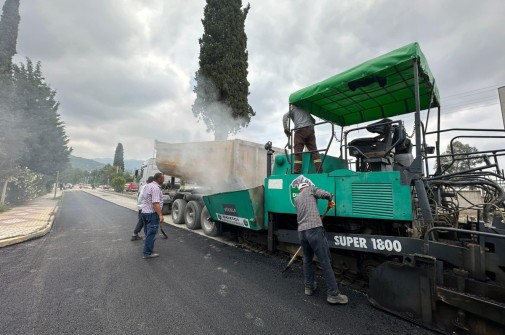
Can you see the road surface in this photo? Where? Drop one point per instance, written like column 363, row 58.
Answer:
column 87, row 277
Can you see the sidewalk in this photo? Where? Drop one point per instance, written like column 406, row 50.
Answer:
column 30, row 220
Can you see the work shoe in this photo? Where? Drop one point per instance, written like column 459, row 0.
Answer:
column 311, row 290
column 135, row 237
column 337, row 299
column 153, row 255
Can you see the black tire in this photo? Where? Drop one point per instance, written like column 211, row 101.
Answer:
column 209, row 227
column 166, row 209
column 192, row 215
column 178, row 211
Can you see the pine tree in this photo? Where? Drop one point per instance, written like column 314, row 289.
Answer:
column 222, row 87
column 46, row 141
column 119, row 157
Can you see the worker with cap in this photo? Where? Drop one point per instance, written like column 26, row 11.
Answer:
column 313, row 241
column 304, row 136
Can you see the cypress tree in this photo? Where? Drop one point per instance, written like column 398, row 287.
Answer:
column 11, row 134
column 119, row 157
column 9, row 24
column 221, row 87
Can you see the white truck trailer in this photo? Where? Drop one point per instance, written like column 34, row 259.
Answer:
column 215, row 166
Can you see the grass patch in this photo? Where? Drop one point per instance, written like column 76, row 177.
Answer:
column 4, row 207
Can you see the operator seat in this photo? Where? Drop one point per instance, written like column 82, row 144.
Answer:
column 373, row 153
column 403, row 157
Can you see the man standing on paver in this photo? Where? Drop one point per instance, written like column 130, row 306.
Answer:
column 313, row 241
column 151, row 213
column 304, row 136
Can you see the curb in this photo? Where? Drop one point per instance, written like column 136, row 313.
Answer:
column 39, row 233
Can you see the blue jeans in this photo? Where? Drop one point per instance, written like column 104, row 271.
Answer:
column 151, row 225
column 314, row 241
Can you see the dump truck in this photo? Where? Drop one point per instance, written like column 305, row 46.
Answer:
column 148, row 169
column 397, row 224
column 206, row 168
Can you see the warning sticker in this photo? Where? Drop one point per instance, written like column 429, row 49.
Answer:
column 235, row 220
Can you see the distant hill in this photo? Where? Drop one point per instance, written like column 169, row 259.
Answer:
column 97, row 163
column 132, row 164
column 129, row 164
column 85, row 164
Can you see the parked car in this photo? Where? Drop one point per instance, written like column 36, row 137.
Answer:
column 131, row 187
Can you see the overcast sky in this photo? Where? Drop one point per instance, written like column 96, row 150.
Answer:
column 123, row 69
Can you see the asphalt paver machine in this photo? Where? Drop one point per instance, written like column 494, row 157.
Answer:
column 426, row 250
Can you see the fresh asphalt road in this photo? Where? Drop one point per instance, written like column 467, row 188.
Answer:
column 87, row 277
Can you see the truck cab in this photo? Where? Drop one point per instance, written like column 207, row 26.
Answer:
column 148, row 169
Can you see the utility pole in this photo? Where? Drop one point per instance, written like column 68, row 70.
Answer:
column 57, row 182
column 501, row 95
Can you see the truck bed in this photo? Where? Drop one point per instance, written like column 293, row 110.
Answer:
column 223, row 166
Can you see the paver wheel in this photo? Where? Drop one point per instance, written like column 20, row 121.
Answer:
column 209, row 227
column 178, row 208
column 192, row 215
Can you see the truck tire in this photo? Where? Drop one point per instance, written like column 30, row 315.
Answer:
column 192, row 215
column 178, row 209
column 166, row 209
column 209, row 227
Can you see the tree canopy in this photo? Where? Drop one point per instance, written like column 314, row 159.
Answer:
column 33, row 143
column 461, row 158
column 222, row 87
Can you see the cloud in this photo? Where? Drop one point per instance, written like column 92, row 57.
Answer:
column 124, row 69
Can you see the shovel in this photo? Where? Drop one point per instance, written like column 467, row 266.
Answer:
column 162, row 231
column 300, row 248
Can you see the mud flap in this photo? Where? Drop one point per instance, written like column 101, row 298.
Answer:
column 404, row 289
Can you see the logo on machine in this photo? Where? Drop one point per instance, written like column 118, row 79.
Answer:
column 230, row 209
column 293, row 187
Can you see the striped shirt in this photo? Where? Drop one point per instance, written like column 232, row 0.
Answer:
column 306, row 207
column 151, row 194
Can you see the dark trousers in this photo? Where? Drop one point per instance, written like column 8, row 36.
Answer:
column 314, row 242
column 140, row 224
column 305, row 137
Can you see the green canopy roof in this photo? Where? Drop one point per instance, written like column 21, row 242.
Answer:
column 381, row 87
